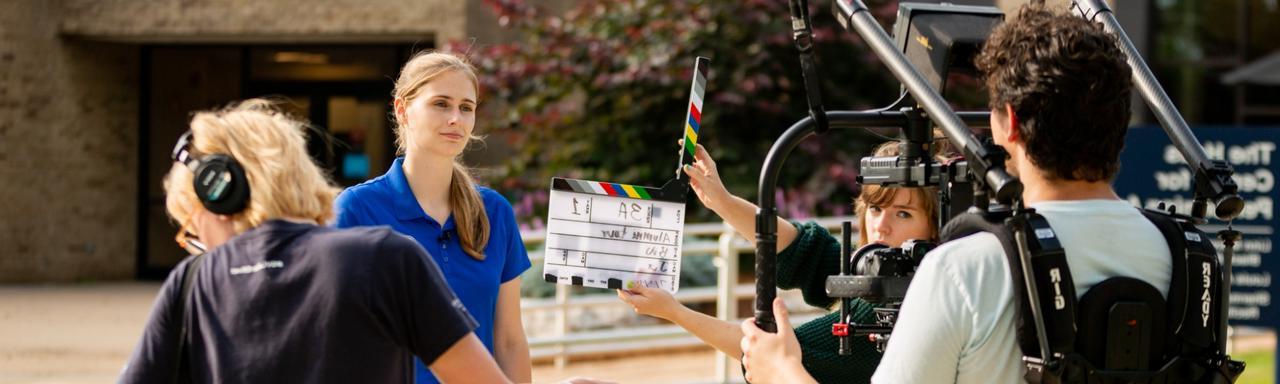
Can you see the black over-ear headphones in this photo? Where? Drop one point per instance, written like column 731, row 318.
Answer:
column 218, row 179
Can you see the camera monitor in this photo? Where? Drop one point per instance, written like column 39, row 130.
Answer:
column 941, row 41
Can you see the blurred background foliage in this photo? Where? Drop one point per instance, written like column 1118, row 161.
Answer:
column 600, row 91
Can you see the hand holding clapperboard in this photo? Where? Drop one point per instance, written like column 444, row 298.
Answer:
column 610, row 235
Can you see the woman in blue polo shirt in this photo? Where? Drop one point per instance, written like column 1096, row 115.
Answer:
column 429, row 195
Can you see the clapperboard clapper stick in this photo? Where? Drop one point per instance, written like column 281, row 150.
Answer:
column 612, row 235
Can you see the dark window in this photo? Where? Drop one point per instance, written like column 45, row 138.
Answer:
column 343, row 91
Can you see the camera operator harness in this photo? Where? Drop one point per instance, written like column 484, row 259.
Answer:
column 1121, row 331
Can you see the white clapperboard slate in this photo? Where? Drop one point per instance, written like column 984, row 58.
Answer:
column 611, row 235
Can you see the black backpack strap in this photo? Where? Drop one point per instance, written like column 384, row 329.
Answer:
column 1176, row 300
column 1193, row 291
column 1054, row 284
column 1199, row 323
column 182, row 370
column 1053, row 281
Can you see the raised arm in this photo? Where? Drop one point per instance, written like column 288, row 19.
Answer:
column 738, row 212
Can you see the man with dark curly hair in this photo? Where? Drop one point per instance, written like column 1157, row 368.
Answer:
column 1059, row 95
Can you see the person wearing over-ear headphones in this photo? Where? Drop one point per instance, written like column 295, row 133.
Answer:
column 274, row 296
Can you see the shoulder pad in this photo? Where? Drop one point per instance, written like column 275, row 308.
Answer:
column 972, row 222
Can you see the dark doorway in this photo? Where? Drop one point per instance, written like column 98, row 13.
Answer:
column 344, row 91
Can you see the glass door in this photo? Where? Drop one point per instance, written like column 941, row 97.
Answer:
column 343, row 91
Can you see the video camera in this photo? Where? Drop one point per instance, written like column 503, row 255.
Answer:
column 941, row 41
column 880, row 275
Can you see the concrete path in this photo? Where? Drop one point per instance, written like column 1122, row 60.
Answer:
column 83, row 333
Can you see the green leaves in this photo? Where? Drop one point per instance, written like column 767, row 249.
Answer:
column 601, row 92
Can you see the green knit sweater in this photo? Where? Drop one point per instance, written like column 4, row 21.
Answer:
column 805, row 264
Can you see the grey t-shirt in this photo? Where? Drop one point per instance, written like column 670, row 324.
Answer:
column 290, row 302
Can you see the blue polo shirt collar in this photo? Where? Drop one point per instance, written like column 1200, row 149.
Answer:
column 405, row 204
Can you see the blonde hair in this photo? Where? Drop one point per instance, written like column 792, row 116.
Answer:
column 272, row 148
column 875, row 195
column 464, row 199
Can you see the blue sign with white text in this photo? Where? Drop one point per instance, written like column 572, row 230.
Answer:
column 1153, row 171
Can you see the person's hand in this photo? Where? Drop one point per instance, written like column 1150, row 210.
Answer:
column 772, row 357
column 650, row 301
column 705, row 179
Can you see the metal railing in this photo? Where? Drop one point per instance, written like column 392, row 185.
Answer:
column 717, row 240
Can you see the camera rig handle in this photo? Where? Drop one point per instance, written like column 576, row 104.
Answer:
column 1213, row 177
column 767, row 213
column 841, row 328
column 986, row 165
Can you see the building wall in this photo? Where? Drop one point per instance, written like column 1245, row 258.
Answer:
column 70, row 104
column 68, row 139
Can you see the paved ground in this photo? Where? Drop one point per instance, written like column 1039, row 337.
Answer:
column 83, row 333
column 70, row 333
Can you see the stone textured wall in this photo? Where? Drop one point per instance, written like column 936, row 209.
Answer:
column 68, row 151
column 70, row 105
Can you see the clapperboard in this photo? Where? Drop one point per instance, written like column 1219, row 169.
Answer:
column 611, row 235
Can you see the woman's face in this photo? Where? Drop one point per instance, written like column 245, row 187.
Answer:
column 901, row 220
column 441, row 117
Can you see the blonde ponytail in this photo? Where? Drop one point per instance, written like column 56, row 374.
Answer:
column 468, row 212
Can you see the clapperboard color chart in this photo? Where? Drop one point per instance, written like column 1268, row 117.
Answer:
column 612, row 235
